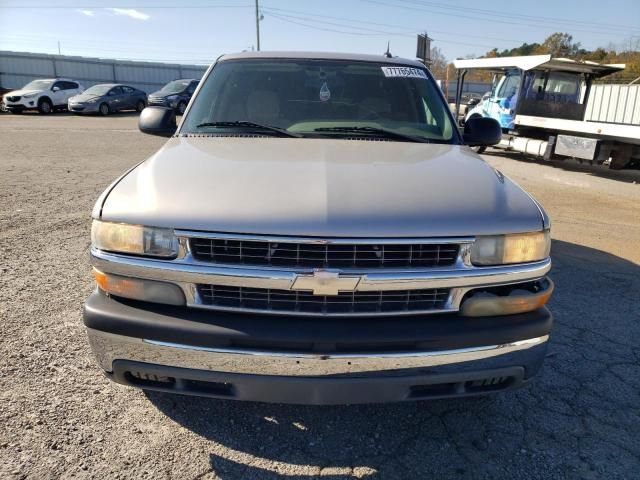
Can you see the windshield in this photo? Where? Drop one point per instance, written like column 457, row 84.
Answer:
column 176, row 86
column 98, row 90
column 323, row 98
column 38, row 85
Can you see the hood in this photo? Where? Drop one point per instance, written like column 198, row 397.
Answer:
column 21, row 92
column 84, row 97
column 162, row 94
column 320, row 187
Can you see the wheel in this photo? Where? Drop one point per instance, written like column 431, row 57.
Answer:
column 104, row 109
column 620, row 156
column 140, row 106
column 45, row 106
column 479, row 149
column 182, row 106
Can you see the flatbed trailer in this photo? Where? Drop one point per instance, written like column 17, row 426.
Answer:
column 550, row 108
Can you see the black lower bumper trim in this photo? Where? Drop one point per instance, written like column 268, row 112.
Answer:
column 314, row 390
column 314, row 334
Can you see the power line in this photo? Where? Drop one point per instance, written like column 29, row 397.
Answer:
column 365, row 29
column 324, row 29
column 490, row 20
column 309, row 22
column 353, row 20
column 105, row 7
column 541, row 20
column 494, row 13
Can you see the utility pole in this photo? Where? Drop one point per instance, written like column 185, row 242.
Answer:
column 59, row 47
column 257, row 26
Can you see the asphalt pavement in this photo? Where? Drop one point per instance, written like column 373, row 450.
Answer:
column 62, row 419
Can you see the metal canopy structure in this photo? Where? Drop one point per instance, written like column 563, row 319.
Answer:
column 527, row 63
column 538, row 62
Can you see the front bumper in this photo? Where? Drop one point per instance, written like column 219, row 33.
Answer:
column 313, row 361
column 83, row 107
column 26, row 104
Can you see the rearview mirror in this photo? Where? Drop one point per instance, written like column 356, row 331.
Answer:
column 482, row 132
column 160, row 121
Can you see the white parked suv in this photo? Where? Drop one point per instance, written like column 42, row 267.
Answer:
column 44, row 95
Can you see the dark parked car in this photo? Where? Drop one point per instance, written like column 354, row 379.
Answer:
column 108, row 98
column 175, row 94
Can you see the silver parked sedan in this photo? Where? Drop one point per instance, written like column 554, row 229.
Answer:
column 108, row 98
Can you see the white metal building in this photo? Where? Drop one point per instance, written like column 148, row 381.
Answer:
column 18, row 69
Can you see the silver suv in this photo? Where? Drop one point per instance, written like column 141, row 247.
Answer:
column 317, row 230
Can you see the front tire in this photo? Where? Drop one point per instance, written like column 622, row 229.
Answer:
column 45, row 107
column 140, row 106
column 479, row 149
column 104, row 109
column 182, row 106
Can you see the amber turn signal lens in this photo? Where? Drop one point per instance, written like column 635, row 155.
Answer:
column 139, row 289
column 494, row 305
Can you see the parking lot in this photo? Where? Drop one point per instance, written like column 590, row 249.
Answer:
column 62, row 419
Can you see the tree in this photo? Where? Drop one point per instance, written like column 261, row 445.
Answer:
column 559, row 45
column 438, row 63
column 524, row 49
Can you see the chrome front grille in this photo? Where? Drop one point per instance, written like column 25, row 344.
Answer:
column 348, row 303
column 157, row 100
column 323, row 255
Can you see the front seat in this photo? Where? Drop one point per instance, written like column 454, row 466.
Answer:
column 263, row 107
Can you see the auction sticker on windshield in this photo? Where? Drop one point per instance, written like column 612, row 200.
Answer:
column 407, row 72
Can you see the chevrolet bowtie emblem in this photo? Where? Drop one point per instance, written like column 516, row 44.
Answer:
column 322, row 282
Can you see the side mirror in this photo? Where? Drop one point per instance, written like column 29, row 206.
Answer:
column 159, row 121
column 55, row 89
column 482, row 132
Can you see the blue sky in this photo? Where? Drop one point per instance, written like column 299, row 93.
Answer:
column 181, row 30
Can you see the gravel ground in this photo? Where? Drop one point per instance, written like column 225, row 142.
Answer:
column 62, row 419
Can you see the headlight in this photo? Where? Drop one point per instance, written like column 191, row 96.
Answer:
column 172, row 97
column 30, row 95
column 134, row 239
column 516, row 248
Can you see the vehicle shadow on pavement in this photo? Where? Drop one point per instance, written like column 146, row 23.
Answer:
column 579, row 418
column 627, row 175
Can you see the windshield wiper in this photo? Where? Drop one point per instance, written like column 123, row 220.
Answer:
column 251, row 126
column 382, row 132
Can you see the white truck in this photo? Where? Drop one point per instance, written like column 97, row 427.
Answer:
column 550, row 108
